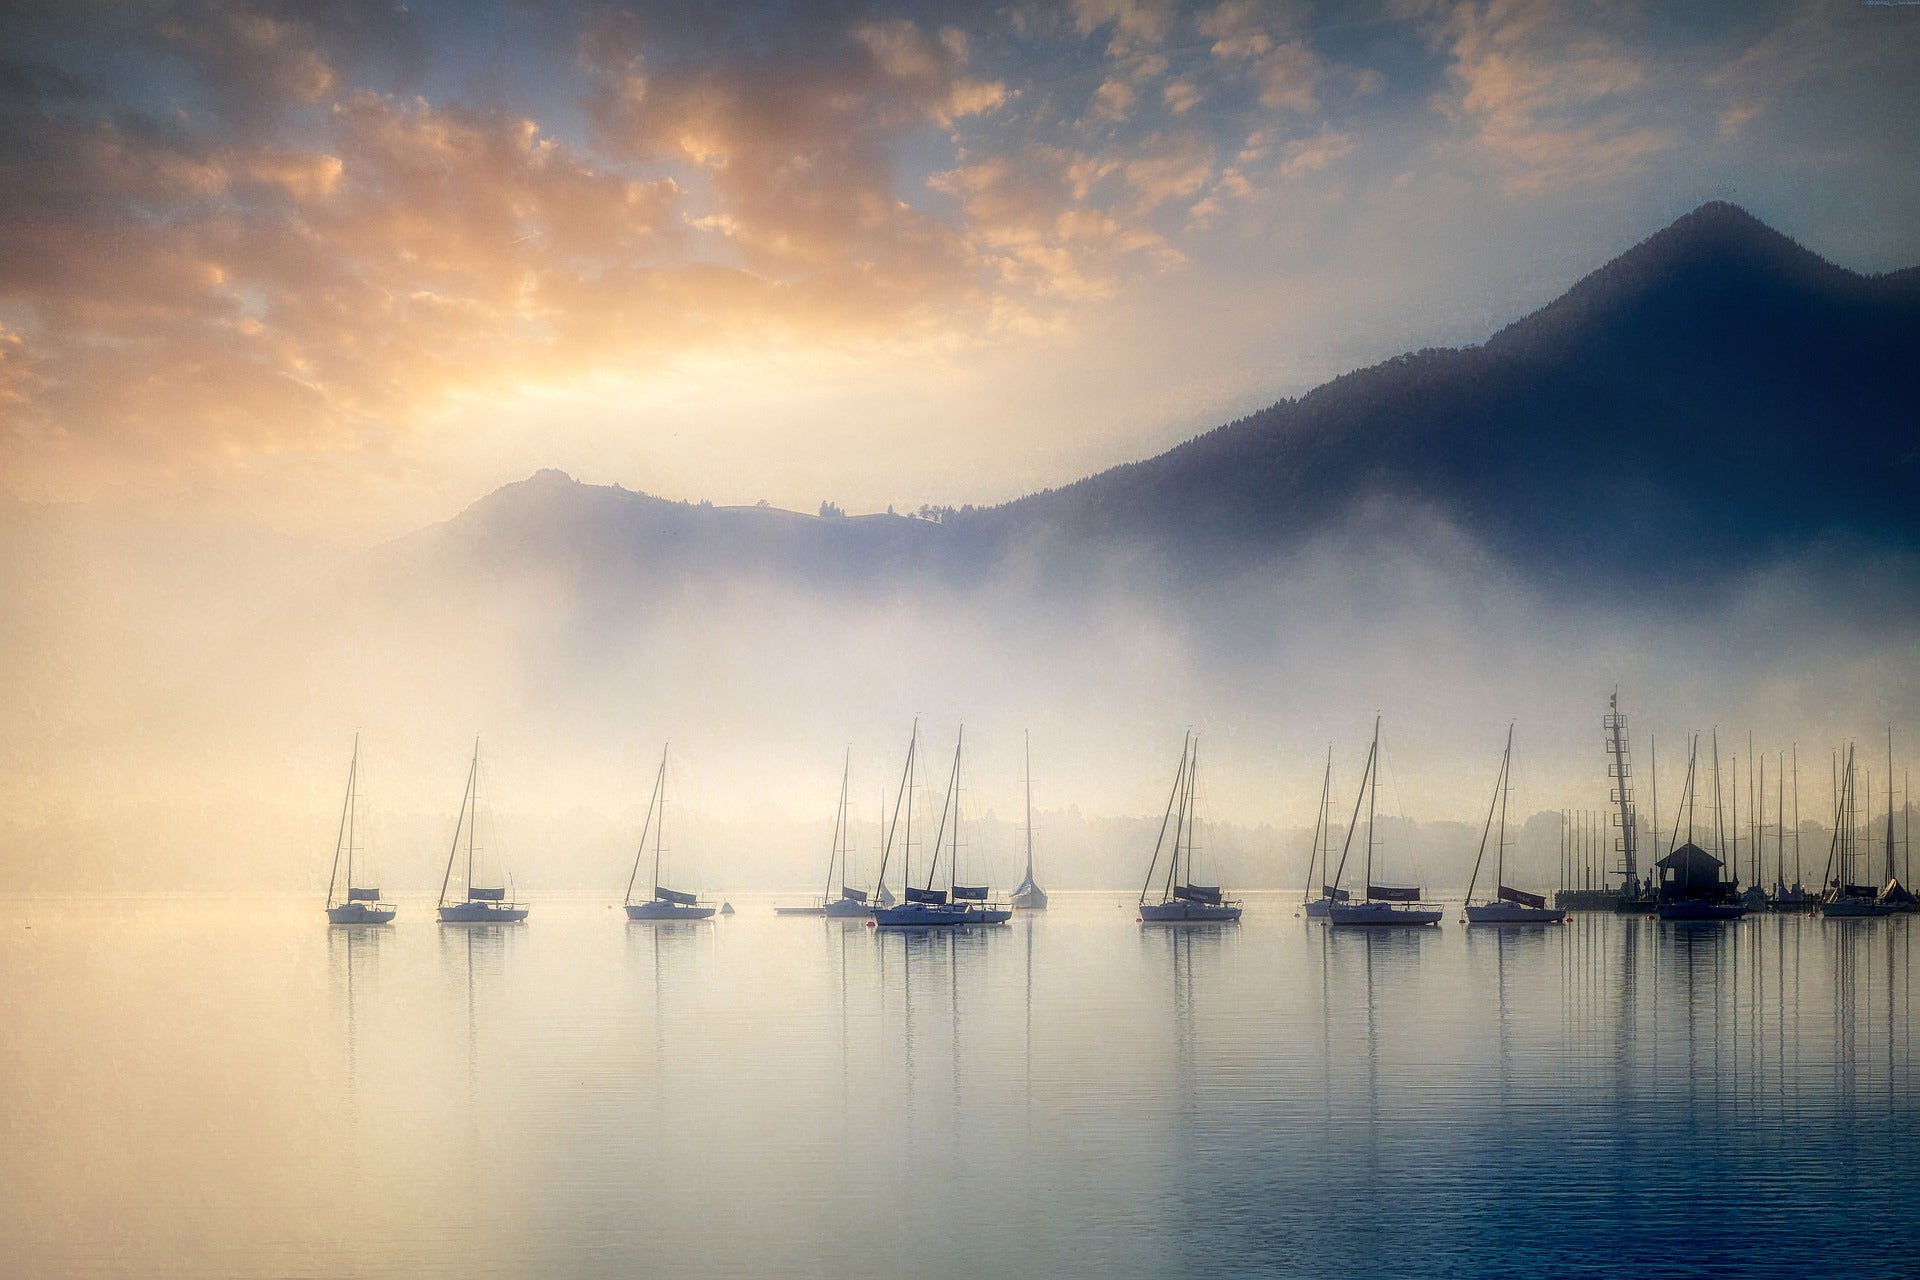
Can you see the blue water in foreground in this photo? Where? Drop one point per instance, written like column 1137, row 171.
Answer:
column 229, row 1087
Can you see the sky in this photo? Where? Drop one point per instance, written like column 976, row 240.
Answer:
column 334, row 270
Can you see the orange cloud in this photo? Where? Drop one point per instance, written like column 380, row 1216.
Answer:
column 1550, row 102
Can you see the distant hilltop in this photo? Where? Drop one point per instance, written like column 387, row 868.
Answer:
column 1716, row 397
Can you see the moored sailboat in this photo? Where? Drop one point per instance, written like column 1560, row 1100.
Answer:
column 1029, row 896
column 976, row 900
column 1317, row 908
column 850, row 903
column 927, row 908
column 478, row 904
column 1179, row 900
column 1383, row 904
column 1508, row 905
column 1844, row 898
column 665, row 905
column 352, row 903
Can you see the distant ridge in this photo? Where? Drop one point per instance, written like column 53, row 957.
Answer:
column 1716, row 396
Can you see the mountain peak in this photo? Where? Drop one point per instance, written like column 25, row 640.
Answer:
column 1694, row 261
column 1720, row 230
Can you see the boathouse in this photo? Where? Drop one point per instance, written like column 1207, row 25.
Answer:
column 1691, row 873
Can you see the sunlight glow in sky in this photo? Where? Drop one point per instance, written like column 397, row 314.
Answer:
column 346, row 266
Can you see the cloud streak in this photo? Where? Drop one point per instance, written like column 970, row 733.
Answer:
column 235, row 233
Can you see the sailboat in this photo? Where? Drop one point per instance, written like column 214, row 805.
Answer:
column 923, row 908
column 851, row 903
column 478, row 904
column 1316, row 908
column 978, row 899
column 1895, row 897
column 359, row 905
column 1384, row 904
column 1508, row 905
column 665, row 904
column 1844, row 899
column 1179, row 900
column 1029, row 896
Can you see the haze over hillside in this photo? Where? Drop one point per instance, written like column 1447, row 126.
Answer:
column 1694, row 475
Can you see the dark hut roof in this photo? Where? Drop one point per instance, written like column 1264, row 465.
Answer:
column 1690, row 856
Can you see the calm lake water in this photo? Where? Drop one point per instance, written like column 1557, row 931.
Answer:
column 229, row 1087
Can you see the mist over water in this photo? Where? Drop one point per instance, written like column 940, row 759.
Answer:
column 224, row 1086
column 183, row 718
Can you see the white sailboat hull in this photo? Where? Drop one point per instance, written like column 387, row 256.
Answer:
column 659, row 912
column 482, row 913
column 1853, row 909
column 1317, row 909
column 919, row 915
column 1178, row 912
column 361, row 913
column 1382, row 913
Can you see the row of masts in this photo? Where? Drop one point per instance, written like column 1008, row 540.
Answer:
column 1848, row 871
column 1743, row 846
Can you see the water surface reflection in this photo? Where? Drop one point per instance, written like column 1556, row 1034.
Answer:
column 237, row 1091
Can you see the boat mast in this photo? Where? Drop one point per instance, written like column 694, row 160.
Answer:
column 1687, row 792
column 839, row 829
column 1159, row 842
column 346, row 807
column 1837, row 849
column 1506, row 784
column 353, row 813
column 1346, row 845
column 659, row 779
column 953, row 850
column 473, row 814
column 1616, row 726
column 905, row 790
column 1373, row 796
column 1487, row 827
column 1027, row 738
column 1180, row 818
column 1653, row 792
column 1799, row 876
column 1319, row 822
column 1890, row 875
column 1191, row 810
column 660, row 827
column 951, row 803
column 913, row 748
column 464, row 817
column 1719, row 826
